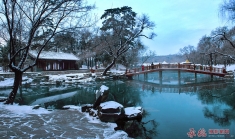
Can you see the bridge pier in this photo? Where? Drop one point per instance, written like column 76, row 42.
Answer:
column 179, row 77
column 195, row 76
column 160, row 77
column 130, row 77
column 145, row 76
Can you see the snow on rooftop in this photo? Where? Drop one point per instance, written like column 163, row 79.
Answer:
column 164, row 62
column 53, row 55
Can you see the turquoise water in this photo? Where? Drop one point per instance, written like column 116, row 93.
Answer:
column 174, row 108
column 209, row 106
column 177, row 113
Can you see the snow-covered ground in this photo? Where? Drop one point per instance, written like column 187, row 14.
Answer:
column 25, row 122
column 79, row 77
column 228, row 68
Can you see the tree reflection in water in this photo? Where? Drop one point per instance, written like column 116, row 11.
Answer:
column 223, row 110
column 140, row 130
column 129, row 95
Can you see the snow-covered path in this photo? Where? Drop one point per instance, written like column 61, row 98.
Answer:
column 22, row 122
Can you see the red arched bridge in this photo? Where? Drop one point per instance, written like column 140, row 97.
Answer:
column 209, row 70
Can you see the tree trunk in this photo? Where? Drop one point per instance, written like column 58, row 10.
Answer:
column 17, row 83
column 109, row 67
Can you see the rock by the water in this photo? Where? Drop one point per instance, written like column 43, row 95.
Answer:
column 101, row 95
column 65, row 107
column 133, row 113
column 36, row 107
column 110, row 107
column 1, row 78
column 86, row 107
column 110, row 111
column 2, row 99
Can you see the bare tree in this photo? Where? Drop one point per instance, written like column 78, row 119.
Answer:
column 131, row 57
column 227, row 10
column 147, row 55
column 188, row 52
column 121, row 28
column 22, row 21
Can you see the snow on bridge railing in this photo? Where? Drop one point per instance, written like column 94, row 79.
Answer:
column 177, row 66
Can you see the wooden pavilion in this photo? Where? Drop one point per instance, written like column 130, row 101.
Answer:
column 54, row 61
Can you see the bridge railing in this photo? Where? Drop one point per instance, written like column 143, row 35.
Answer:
column 178, row 66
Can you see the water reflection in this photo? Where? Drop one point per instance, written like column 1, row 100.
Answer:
column 56, row 96
column 129, row 94
column 141, row 129
column 221, row 103
column 176, row 78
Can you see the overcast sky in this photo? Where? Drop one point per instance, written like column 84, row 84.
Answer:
column 179, row 23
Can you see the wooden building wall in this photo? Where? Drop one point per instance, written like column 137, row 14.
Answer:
column 53, row 65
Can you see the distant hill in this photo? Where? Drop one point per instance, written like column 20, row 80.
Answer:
column 168, row 58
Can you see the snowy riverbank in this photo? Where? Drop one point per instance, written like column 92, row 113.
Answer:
column 25, row 122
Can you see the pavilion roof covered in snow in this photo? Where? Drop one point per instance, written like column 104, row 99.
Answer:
column 53, row 55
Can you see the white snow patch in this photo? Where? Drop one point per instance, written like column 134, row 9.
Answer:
column 25, row 80
column 164, row 62
column 57, row 77
column 103, row 88
column 73, row 107
column 101, row 91
column 8, row 82
column 132, row 111
column 110, row 104
column 117, row 71
column 229, row 67
column 84, row 67
column 21, row 110
column 119, row 134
